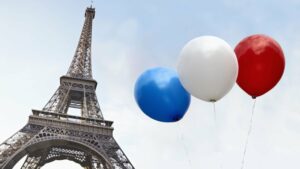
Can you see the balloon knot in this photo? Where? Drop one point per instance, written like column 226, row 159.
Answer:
column 212, row 100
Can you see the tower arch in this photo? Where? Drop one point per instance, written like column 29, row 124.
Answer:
column 51, row 149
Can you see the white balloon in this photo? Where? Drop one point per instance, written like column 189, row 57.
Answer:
column 207, row 68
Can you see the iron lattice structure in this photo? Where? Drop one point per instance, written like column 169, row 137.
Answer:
column 52, row 134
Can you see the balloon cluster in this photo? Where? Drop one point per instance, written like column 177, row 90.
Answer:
column 207, row 69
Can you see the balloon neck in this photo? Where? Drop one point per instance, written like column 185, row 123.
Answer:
column 212, row 100
column 253, row 97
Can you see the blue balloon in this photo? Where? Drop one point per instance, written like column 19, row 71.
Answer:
column 160, row 95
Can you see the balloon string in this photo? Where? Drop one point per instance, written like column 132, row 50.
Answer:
column 248, row 135
column 215, row 114
column 217, row 136
column 184, row 146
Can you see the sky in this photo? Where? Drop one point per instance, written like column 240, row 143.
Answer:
column 38, row 40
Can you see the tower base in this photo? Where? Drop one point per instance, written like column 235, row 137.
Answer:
column 50, row 136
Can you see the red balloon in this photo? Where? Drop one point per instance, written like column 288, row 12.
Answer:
column 261, row 64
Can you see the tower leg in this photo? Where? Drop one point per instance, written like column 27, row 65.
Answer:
column 98, row 164
column 31, row 162
column 16, row 142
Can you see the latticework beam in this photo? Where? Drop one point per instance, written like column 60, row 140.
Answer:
column 81, row 66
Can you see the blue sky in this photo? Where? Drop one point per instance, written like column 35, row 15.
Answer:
column 38, row 40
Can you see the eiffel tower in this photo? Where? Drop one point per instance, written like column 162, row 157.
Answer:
column 53, row 134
